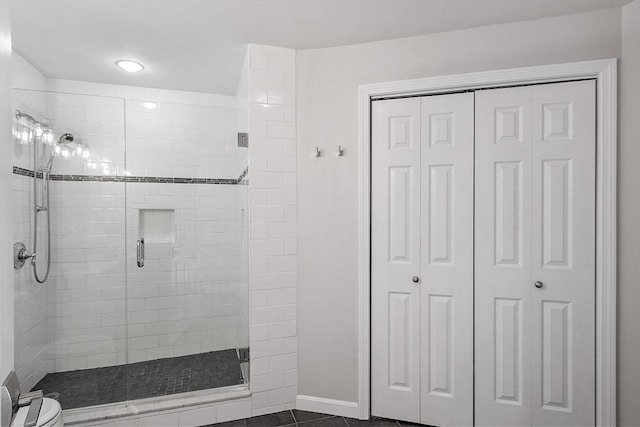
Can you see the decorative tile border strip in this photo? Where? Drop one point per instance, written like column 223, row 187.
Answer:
column 23, row 172
column 243, row 175
column 142, row 179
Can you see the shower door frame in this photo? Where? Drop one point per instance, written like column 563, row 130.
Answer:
column 605, row 73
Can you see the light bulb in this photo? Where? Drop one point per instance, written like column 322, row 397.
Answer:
column 129, row 66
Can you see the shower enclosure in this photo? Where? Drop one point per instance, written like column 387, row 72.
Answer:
column 136, row 212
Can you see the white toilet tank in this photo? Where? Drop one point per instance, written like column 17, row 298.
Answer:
column 50, row 415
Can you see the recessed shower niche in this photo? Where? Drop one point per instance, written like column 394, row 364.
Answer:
column 157, row 225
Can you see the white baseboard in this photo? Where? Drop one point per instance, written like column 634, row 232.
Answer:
column 340, row 408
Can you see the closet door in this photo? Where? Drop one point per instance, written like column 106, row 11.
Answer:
column 564, row 165
column 535, row 255
column 395, row 259
column 503, row 257
column 447, row 260
column 422, row 259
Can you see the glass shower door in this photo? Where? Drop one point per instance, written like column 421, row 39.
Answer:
column 187, row 291
column 70, row 210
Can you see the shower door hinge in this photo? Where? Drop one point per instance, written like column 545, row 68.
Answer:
column 243, row 354
column 243, row 139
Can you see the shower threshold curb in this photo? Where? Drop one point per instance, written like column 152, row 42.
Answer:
column 154, row 404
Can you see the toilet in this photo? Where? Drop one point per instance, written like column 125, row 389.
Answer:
column 50, row 415
column 16, row 405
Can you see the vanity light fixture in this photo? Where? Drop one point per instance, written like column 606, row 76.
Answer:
column 150, row 105
column 129, row 66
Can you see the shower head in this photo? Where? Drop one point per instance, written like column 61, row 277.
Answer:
column 29, row 118
column 66, row 138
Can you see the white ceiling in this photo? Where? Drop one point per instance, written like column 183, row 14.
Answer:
column 199, row 45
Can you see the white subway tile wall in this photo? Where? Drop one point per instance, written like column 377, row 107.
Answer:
column 86, row 309
column 98, row 126
column 175, row 140
column 189, row 297
column 31, row 362
column 273, row 249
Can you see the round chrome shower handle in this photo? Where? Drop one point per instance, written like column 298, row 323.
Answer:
column 21, row 255
column 24, row 255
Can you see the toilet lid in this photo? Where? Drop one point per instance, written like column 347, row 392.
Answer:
column 50, row 409
column 48, row 412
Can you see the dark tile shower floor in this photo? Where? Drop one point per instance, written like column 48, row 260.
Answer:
column 98, row 386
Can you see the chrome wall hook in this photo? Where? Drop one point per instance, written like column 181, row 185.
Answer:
column 318, row 152
column 340, row 151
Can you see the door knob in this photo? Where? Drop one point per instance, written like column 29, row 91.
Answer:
column 538, row 285
column 415, row 279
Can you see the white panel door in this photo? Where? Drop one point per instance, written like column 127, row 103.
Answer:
column 535, row 253
column 447, row 260
column 564, row 162
column 503, row 257
column 395, row 259
column 422, row 223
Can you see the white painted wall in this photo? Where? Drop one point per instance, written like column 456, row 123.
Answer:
column 628, row 213
column 6, row 245
column 327, row 82
column 25, row 75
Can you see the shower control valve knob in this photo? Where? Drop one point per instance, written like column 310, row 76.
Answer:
column 21, row 255
column 24, row 255
column 415, row 279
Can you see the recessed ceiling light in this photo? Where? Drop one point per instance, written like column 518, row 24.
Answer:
column 150, row 105
column 129, row 66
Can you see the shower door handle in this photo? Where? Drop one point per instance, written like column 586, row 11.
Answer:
column 140, row 252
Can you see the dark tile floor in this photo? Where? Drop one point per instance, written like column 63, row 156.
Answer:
column 88, row 387
column 309, row 419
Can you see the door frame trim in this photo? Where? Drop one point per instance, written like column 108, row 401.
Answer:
column 605, row 73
